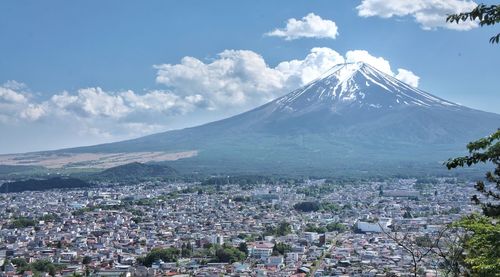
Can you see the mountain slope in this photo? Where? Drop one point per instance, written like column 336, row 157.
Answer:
column 136, row 170
column 352, row 115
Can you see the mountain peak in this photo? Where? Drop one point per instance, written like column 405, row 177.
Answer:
column 359, row 85
column 353, row 115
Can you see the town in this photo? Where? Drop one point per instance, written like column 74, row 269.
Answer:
column 307, row 228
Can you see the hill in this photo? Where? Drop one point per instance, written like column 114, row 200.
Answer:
column 137, row 171
column 43, row 184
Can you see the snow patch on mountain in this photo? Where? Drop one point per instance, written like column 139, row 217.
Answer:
column 362, row 85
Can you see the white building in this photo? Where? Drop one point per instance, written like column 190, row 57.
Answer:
column 217, row 239
column 375, row 227
column 311, row 236
column 261, row 249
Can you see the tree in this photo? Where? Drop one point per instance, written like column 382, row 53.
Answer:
column 336, row 226
column 487, row 15
column 485, row 150
column 450, row 249
column 281, row 248
column 418, row 248
column 86, row 260
column 482, row 245
column 243, row 248
column 41, row 266
column 186, row 250
column 282, row 229
column 22, row 222
column 167, row 255
column 307, row 206
column 228, row 254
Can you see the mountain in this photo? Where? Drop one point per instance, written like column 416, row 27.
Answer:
column 136, row 171
column 353, row 116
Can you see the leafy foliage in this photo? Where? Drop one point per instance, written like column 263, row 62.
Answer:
column 22, row 222
column 282, row 229
column 482, row 242
column 45, row 184
column 307, row 206
column 314, row 228
column 38, row 266
column 310, row 206
column 243, row 248
column 487, row 15
column 336, row 226
column 136, row 172
column 86, row 260
column 19, row 262
column 330, row 227
column 165, row 254
column 482, row 246
column 281, row 248
column 50, row 217
column 228, row 254
column 483, row 151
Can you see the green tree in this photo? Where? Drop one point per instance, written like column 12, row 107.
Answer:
column 281, row 248
column 165, row 254
column 336, row 226
column 19, row 262
column 283, row 229
column 243, row 248
column 86, row 260
column 485, row 150
column 228, row 254
column 307, row 206
column 41, row 266
column 314, row 228
column 482, row 245
column 22, row 222
column 186, row 250
column 487, row 15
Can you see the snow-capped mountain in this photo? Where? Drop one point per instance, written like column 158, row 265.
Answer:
column 359, row 85
column 353, row 114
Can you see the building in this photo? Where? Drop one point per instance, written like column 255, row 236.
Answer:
column 261, row 249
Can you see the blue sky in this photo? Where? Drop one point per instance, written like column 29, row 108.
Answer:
column 79, row 73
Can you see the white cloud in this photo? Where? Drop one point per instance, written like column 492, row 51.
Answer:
column 12, row 101
column 408, row 77
column 318, row 61
column 363, row 56
column 242, row 79
column 14, row 85
column 8, row 95
column 383, row 65
column 310, row 26
column 96, row 102
column 430, row 14
column 236, row 80
column 33, row 112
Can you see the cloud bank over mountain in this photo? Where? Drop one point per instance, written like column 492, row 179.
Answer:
column 232, row 82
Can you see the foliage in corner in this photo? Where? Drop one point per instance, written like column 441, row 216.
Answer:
column 482, row 245
column 484, row 150
column 487, row 15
